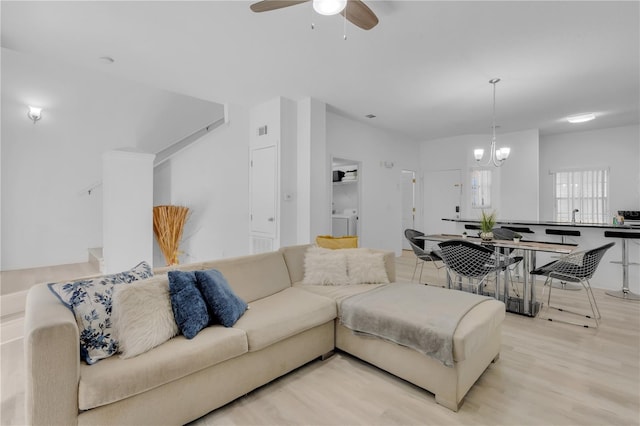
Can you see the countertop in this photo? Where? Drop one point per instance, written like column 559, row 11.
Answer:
column 635, row 226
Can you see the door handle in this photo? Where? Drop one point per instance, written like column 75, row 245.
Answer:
column 270, row 219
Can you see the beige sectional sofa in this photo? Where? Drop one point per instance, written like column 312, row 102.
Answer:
column 288, row 324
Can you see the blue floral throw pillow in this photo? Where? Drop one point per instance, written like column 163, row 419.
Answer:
column 90, row 302
column 188, row 307
column 224, row 306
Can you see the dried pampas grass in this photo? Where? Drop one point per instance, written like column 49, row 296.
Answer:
column 168, row 224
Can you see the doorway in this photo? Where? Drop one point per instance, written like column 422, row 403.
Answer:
column 408, row 204
column 263, row 199
column 345, row 197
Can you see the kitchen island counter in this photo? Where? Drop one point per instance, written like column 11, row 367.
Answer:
column 517, row 222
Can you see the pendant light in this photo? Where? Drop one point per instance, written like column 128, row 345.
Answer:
column 497, row 156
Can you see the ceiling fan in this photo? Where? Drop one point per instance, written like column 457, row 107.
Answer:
column 355, row 11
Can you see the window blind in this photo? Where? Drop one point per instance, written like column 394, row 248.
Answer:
column 586, row 190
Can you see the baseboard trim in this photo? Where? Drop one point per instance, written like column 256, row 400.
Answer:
column 11, row 330
column 13, row 303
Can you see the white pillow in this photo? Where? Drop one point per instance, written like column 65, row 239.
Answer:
column 325, row 267
column 366, row 267
column 142, row 315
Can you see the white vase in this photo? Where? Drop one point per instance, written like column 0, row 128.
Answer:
column 486, row 235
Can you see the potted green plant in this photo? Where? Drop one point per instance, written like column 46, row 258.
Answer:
column 464, row 234
column 517, row 237
column 487, row 222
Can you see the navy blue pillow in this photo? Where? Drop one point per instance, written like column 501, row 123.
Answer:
column 224, row 306
column 189, row 308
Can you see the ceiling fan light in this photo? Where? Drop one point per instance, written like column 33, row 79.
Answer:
column 582, row 118
column 329, row 7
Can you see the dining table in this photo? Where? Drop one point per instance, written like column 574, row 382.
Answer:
column 527, row 305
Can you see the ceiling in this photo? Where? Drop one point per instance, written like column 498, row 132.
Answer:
column 423, row 71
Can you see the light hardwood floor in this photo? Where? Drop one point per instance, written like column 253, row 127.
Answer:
column 547, row 374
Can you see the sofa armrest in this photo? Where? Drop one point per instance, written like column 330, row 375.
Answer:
column 52, row 360
column 389, row 264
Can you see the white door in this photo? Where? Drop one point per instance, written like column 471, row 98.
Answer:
column 408, row 204
column 264, row 191
column 442, row 197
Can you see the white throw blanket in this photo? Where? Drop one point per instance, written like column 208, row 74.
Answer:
column 420, row 317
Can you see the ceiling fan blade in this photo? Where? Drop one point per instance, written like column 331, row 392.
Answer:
column 267, row 5
column 360, row 15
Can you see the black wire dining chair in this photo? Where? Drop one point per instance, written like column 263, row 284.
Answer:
column 474, row 262
column 576, row 267
column 422, row 255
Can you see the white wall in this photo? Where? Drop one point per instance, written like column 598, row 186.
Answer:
column 127, row 201
column 514, row 185
column 279, row 115
column 381, row 204
column 313, row 194
column 211, row 177
column 617, row 148
column 47, row 218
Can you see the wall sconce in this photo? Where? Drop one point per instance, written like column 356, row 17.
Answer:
column 34, row 114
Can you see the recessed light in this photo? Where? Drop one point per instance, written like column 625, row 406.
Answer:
column 370, row 116
column 106, row 60
column 581, row 118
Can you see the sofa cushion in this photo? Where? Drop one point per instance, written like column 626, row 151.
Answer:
column 90, row 301
column 365, row 267
column 294, row 258
column 251, row 277
column 325, row 267
column 338, row 293
column 283, row 315
column 115, row 379
column 224, row 306
column 189, row 308
column 142, row 315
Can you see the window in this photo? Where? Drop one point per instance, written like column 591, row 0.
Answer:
column 584, row 190
column 480, row 188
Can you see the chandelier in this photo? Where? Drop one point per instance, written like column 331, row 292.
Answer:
column 498, row 156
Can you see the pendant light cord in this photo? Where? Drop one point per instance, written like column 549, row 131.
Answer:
column 344, row 28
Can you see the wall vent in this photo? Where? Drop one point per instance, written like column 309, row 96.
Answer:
column 261, row 244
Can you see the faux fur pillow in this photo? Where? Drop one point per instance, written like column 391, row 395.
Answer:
column 325, row 267
column 91, row 303
column 142, row 316
column 366, row 268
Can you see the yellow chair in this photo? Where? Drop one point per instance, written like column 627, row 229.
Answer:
column 329, row 242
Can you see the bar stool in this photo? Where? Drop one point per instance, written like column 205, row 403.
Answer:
column 519, row 229
column 564, row 233
column 624, row 293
